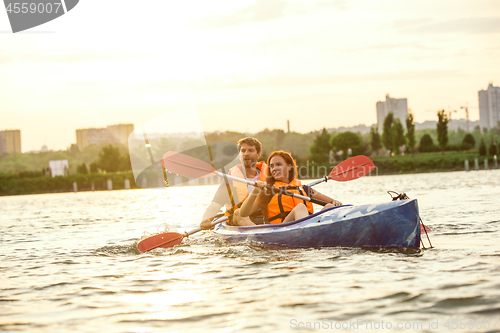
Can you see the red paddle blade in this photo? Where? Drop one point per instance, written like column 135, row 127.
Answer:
column 167, row 239
column 186, row 166
column 352, row 168
column 424, row 228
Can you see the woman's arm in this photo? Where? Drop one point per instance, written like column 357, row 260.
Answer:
column 320, row 196
column 252, row 202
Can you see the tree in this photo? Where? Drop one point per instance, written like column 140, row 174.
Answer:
column 82, row 168
column 125, row 164
column 492, row 150
column 320, row 149
column 410, row 133
column 375, row 139
column 280, row 136
column 93, row 167
column 345, row 140
column 109, row 159
column 161, row 145
column 426, row 144
column 482, row 148
column 398, row 136
column 442, row 129
column 469, row 142
column 387, row 132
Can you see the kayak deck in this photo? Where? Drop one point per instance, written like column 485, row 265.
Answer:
column 391, row 224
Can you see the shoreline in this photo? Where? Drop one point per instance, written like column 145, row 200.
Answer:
column 135, row 187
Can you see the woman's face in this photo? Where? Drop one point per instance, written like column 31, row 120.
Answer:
column 279, row 168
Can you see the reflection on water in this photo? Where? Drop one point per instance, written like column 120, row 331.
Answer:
column 69, row 263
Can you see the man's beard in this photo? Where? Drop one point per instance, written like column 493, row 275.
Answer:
column 249, row 164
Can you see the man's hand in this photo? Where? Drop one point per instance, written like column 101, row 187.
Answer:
column 207, row 224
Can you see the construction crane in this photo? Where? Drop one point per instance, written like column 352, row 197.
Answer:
column 450, row 112
column 466, row 108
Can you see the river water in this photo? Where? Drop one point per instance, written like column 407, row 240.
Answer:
column 69, row 263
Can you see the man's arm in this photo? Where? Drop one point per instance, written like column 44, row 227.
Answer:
column 210, row 212
column 220, row 198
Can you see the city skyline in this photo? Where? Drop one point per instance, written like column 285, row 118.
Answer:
column 250, row 64
column 489, row 106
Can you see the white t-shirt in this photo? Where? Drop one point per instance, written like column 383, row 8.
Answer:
column 254, row 179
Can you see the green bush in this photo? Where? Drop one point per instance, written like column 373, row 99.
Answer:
column 426, row 144
column 14, row 184
column 482, row 148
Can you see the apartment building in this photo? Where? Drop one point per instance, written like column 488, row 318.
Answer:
column 10, row 141
column 398, row 106
column 113, row 134
column 489, row 107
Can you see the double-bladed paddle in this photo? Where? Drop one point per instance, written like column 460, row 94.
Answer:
column 188, row 166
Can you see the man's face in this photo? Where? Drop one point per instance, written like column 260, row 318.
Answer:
column 249, row 155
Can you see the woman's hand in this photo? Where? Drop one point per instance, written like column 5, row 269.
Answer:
column 257, row 188
column 317, row 195
column 336, row 203
column 260, row 184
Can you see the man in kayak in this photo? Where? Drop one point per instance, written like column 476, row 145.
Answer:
column 250, row 150
column 278, row 207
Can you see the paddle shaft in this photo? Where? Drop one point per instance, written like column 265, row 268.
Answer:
column 324, row 179
column 332, row 175
column 274, row 189
column 214, row 223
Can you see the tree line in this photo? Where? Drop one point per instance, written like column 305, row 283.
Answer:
column 396, row 141
column 320, row 147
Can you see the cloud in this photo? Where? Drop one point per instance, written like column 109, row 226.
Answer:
column 75, row 57
column 337, row 4
column 260, row 11
column 471, row 25
column 288, row 81
column 387, row 47
column 267, row 10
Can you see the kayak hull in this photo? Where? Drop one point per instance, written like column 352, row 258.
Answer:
column 391, row 224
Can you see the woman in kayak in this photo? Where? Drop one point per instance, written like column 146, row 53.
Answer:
column 280, row 208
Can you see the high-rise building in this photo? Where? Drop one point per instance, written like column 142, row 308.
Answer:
column 398, row 106
column 10, row 141
column 489, row 106
column 119, row 133
column 113, row 134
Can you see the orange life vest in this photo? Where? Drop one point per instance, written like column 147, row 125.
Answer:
column 241, row 192
column 281, row 204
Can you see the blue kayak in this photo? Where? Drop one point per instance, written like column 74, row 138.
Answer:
column 391, row 224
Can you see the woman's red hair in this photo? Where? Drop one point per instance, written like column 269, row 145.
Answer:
column 266, row 195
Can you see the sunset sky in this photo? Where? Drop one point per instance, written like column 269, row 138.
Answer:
column 247, row 64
